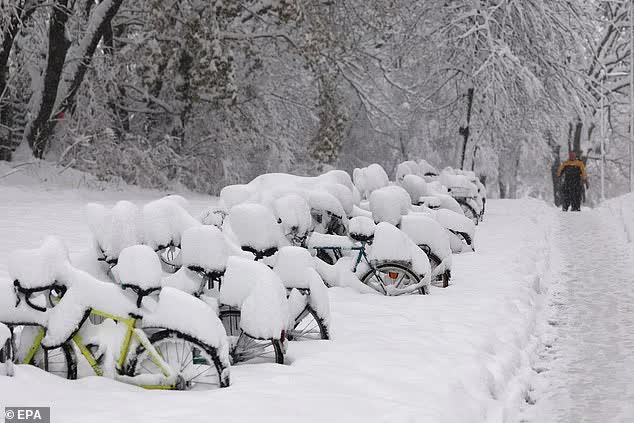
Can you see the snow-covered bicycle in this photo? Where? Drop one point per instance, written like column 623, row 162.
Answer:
column 308, row 300
column 468, row 203
column 307, row 293
column 246, row 294
column 394, row 268
column 155, row 344
column 6, row 355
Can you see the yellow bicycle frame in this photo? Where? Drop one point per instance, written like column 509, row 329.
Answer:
column 130, row 324
column 36, row 344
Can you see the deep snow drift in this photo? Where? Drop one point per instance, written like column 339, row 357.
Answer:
column 461, row 354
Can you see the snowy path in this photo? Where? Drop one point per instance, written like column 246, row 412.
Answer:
column 589, row 357
column 461, row 354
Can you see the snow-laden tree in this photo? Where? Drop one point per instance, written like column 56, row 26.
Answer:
column 205, row 93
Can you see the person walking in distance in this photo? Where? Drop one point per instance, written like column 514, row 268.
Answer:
column 574, row 178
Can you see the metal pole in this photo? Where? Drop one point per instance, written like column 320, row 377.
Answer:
column 631, row 95
column 602, row 163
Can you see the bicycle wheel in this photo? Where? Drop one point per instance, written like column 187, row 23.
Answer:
column 5, row 352
column 469, row 212
column 442, row 279
column 463, row 238
column 245, row 348
column 308, row 327
column 392, row 279
column 197, row 364
column 60, row 361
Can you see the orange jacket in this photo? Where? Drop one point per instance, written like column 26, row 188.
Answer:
column 577, row 163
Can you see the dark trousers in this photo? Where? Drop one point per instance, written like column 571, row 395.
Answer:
column 571, row 198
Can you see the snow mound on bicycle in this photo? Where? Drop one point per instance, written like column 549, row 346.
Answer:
column 291, row 264
column 205, row 248
column 114, row 229
column 39, row 268
column 388, row 204
column 254, row 227
column 164, row 221
column 369, row 179
column 431, row 236
column 139, row 266
column 258, row 292
column 181, row 312
column 391, row 245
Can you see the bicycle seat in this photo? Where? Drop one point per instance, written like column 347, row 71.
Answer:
column 430, row 201
column 259, row 254
column 211, row 277
column 140, row 292
column 164, row 221
column 204, row 250
column 291, row 265
column 110, row 261
column 38, row 269
column 213, row 274
column 139, row 270
column 361, row 229
column 26, row 293
column 361, row 237
column 256, row 229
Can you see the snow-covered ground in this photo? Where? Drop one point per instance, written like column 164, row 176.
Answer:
column 586, row 364
column 538, row 326
column 462, row 354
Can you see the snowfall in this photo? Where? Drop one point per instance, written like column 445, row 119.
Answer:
column 536, row 326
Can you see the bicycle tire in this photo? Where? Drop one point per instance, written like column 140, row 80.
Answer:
column 444, row 277
column 5, row 352
column 239, row 351
column 385, row 268
column 469, row 212
column 299, row 332
column 138, row 359
column 60, row 361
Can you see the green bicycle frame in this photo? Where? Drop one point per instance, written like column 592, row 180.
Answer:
column 361, row 255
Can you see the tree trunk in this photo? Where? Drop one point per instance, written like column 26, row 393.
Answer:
column 103, row 15
column 590, row 131
column 332, row 122
column 36, row 133
column 464, row 130
column 57, row 101
column 502, row 188
column 553, row 170
column 475, row 153
column 23, row 11
column 576, row 142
